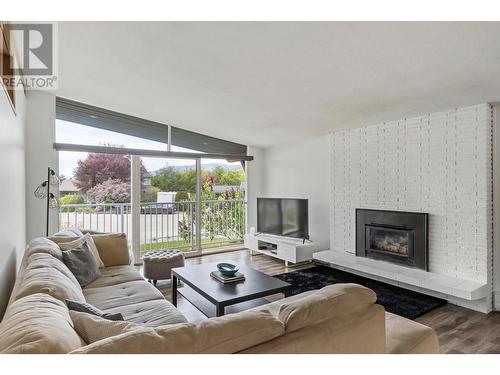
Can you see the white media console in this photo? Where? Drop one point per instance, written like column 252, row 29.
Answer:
column 291, row 250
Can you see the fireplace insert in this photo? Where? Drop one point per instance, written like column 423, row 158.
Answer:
column 395, row 236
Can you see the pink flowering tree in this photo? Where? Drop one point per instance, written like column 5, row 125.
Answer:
column 110, row 191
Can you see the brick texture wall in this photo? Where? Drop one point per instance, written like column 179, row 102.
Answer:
column 439, row 163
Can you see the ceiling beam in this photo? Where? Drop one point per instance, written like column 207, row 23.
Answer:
column 148, row 153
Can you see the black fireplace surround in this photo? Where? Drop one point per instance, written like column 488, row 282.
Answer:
column 395, row 236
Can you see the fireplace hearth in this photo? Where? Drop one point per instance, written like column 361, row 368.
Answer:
column 395, row 236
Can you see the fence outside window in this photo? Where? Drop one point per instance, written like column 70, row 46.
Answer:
column 163, row 225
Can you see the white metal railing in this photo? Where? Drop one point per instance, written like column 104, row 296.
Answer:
column 163, row 225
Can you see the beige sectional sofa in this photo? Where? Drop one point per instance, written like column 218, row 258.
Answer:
column 342, row 318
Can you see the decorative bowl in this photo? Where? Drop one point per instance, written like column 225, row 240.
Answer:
column 227, row 269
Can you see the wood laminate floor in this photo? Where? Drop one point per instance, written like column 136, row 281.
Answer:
column 460, row 330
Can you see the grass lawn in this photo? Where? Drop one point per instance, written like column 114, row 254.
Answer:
column 184, row 245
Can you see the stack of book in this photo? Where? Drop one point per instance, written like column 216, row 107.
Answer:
column 227, row 279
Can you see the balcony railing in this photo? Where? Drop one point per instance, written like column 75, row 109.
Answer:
column 163, row 225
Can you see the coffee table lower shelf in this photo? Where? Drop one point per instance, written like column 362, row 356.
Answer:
column 208, row 308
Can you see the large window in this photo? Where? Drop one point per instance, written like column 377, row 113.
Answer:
column 192, row 203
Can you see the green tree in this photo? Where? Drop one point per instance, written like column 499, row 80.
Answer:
column 165, row 179
column 187, row 180
column 225, row 176
column 218, row 172
column 170, row 179
column 70, row 199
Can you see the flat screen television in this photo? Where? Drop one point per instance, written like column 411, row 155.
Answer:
column 283, row 217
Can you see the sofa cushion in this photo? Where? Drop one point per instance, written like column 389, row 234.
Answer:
column 38, row 323
column 43, row 245
column 323, row 304
column 404, row 336
column 119, row 295
column 223, row 335
column 42, row 260
column 116, row 275
column 84, row 241
column 154, row 313
column 112, row 247
column 46, row 274
column 63, row 239
column 92, row 328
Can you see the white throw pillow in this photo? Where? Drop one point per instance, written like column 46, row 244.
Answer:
column 90, row 243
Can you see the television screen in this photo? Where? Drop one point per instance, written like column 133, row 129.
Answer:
column 283, row 217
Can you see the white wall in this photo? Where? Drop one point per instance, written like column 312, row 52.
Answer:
column 301, row 170
column 438, row 163
column 12, row 189
column 40, row 154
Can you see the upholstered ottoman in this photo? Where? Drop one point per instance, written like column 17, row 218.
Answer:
column 158, row 264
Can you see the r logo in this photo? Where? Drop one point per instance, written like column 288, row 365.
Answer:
column 36, row 48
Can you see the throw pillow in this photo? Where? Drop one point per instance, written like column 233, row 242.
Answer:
column 85, row 307
column 82, row 263
column 87, row 238
column 92, row 328
column 113, row 248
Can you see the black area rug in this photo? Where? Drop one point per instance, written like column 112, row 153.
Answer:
column 396, row 300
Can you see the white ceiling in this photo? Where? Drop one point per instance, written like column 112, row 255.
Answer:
column 269, row 83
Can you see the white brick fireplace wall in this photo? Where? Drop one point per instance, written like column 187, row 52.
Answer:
column 438, row 163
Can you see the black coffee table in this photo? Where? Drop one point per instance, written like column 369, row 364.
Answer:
column 214, row 298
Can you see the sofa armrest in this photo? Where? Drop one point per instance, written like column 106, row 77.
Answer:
column 362, row 332
column 338, row 319
column 311, row 308
column 406, row 336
